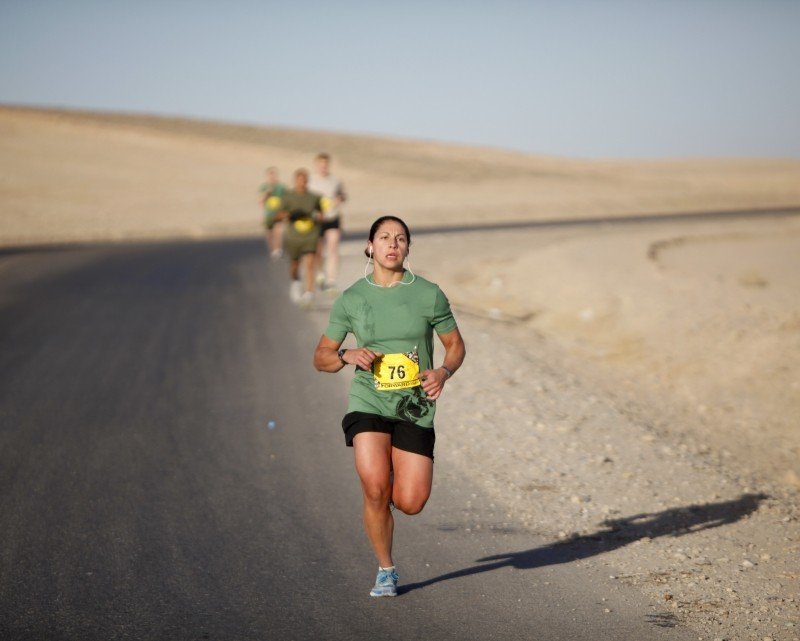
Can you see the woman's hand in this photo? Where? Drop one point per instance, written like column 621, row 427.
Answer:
column 361, row 357
column 433, row 382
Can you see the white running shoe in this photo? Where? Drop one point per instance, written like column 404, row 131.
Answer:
column 306, row 300
column 296, row 291
column 385, row 583
column 330, row 289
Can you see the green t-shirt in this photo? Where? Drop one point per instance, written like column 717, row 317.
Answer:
column 276, row 189
column 301, row 207
column 301, row 204
column 392, row 320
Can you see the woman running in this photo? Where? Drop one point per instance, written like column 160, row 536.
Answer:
column 389, row 421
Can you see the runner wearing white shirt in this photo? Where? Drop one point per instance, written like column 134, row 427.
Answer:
column 333, row 195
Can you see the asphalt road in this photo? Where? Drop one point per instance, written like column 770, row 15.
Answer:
column 144, row 494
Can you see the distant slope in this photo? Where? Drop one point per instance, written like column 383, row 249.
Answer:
column 402, row 158
column 72, row 175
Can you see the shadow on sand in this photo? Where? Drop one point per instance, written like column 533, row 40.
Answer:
column 614, row 534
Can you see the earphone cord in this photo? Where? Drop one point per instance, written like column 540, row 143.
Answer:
column 399, row 282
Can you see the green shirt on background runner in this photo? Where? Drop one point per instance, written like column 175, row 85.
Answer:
column 274, row 201
column 397, row 321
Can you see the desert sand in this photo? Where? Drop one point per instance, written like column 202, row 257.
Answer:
column 73, row 176
column 621, row 369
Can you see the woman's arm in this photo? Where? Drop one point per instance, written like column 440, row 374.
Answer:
column 454, row 352
column 326, row 356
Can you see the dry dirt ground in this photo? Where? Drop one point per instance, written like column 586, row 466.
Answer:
column 632, row 391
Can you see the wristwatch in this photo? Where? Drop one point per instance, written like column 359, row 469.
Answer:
column 340, row 354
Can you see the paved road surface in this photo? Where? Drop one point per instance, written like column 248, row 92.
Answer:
column 144, row 496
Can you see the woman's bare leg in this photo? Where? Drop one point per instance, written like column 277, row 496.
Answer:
column 373, row 455
column 413, row 478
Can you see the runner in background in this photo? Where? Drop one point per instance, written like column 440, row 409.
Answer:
column 301, row 209
column 270, row 196
column 333, row 195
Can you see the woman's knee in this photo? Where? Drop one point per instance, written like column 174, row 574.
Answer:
column 410, row 504
column 376, row 493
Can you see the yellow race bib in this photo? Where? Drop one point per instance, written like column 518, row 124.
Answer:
column 325, row 203
column 396, row 371
column 273, row 203
column 304, row 225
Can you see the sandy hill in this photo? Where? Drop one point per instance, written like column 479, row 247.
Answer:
column 68, row 175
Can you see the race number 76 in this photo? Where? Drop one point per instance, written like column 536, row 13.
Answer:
column 400, row 370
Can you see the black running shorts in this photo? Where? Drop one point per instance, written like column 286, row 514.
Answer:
column 405, row 436
column 331, row 223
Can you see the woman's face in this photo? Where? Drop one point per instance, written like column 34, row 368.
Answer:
column 390, row 245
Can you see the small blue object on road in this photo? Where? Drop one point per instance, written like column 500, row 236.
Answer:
column 271, row 425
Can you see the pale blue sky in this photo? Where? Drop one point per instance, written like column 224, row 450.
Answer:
column 595, row 78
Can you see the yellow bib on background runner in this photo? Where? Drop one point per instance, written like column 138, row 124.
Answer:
column 325, row 203
column 395, row 371
column 273, row 203
column 304, row 225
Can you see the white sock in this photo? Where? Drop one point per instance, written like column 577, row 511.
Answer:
column 389, row 569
